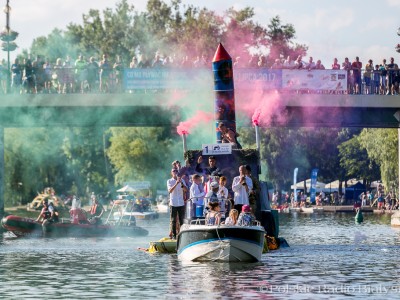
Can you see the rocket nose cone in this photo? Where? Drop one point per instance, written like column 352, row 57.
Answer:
column 221, row 54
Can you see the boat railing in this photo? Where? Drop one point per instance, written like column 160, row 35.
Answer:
column 120, row 207
column 193, row 210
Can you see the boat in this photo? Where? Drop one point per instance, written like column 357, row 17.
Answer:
column 164, row 245
column 139, row 196
column 139, row 209
column 76, row 226
column 162, row 204
column 222, row 243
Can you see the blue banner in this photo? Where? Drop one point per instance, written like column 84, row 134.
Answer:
column 166, row 78
column 294, row 183
column 191, row 79
column 263, row 79
column 314, row 174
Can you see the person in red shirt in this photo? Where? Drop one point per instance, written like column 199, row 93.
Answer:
column 356, row 66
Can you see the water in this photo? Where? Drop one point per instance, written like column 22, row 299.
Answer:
column 330, row 258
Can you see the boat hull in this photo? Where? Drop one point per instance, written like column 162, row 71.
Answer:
column 220, row 243
column 29, row 227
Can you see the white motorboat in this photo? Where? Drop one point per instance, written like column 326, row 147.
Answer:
column 220, row 243
column 140, row 209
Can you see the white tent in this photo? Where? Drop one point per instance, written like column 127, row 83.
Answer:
column 334, row 185
column 126, row 189
column 320, row 186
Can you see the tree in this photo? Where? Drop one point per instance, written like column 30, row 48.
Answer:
column 140, row 153
column 355, row 161
column 381, row 146
column 280, row 38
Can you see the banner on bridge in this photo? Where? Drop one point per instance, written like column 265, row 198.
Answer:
column 167, row 78
column 244, row 78
column 262, row 79
column 330, row 80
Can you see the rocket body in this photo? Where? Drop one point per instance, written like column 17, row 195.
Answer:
column 224, row 91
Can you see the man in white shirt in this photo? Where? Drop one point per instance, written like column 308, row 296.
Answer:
column 241, row 186
column 176, row 187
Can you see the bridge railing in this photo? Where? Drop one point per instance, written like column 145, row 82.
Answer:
column 155, row 80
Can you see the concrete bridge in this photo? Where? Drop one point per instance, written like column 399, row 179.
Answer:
column 157, row 109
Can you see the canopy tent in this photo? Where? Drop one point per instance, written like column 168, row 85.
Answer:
column 334, row 185
column 320, row 186
column 126, row 189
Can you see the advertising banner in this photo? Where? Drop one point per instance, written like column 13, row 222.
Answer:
column 295, row 182
column 330, row 80
column 314, row 174
column 263, row 79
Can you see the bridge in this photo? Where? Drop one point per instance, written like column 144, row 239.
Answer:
column 160, row 108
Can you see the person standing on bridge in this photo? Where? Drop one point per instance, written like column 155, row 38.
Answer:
column 356, row 66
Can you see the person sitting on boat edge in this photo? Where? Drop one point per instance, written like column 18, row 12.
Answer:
column 96, row 211
column 231, row 220
column 213, row 216
column 246, row 218
column 48, row 214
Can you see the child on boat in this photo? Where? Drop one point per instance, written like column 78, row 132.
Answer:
column 246, row 218
column 213, row 216
column 232, row 219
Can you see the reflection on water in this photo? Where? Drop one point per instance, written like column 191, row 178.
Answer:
column 330, row 257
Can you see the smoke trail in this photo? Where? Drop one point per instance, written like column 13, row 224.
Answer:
column 197, row 120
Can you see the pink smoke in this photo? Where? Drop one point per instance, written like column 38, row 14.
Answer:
column 200, row 118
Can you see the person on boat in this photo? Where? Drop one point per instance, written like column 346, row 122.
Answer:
column 48, row 214
column 228, row 135
column 212, row 195
column 176, row 189
column 254, row 194
column 213, row 216
column 212, row 166
column 241, row 186
column 96, row 211
column 185, row 173
column 231, row 220
column 196, row 190
column 246, row 218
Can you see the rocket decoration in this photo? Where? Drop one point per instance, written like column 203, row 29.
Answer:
column 224, row 90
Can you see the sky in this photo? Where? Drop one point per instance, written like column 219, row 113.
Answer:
column 340, row 28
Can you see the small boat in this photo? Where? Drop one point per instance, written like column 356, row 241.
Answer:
column 164, row 245
column 83, row 227
column 220, row 243
column 140, row 209
column 162, row 202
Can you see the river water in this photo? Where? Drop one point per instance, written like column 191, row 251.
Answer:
column 330, row 257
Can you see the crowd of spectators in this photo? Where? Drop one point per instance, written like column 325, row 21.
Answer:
column 85, row 75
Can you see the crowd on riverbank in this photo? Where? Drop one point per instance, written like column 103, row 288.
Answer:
column 378, row 198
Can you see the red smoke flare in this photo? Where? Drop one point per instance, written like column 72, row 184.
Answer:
column 201, row 117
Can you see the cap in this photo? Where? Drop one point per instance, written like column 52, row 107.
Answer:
column 214, row 185
column 174, row 170
column 246, row 208
column 176, row 162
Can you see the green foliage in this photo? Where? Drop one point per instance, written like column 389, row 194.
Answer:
column 70, row 160
column 381, row 146
column 139, row 154
column 174, row 30
column 355, row 160
column 280, row 39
